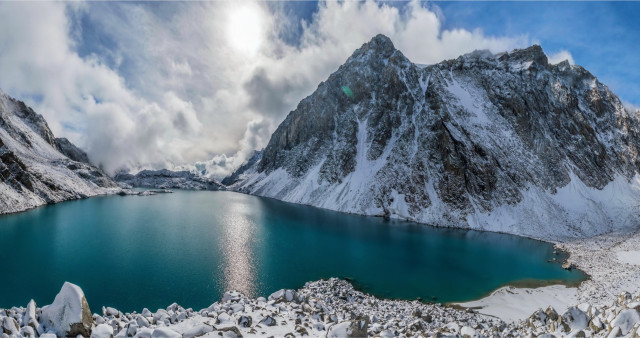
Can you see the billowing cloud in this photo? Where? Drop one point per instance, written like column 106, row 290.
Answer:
column 189, row 85
column 561, row 56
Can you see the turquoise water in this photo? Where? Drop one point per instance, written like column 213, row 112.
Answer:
column 189, row 247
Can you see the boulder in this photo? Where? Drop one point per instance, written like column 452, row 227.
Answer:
column 285, row 295
column 10, row 326
column 230, row 331
column 576, row 319
column 231, row 296
column 626, row 319
column 69, row 314
column 163, row 332
column 350, row 328
column 29, row 317
column 197, row 331
column 102, row 331
column 28, row 331
column 245, row 321
column 268, row 321
column 468, row 332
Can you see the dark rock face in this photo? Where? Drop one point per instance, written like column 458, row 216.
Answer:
column 71, row 151
column 167, row 179
column 36, row 168
column 483, row 141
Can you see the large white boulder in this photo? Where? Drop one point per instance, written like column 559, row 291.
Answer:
column 29, row 317
column 69, row 314
column 576, row 319
column 626, row 319
column 102, row 331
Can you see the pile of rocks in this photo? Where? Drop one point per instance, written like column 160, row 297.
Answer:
column 326, row 308
column 621, row 318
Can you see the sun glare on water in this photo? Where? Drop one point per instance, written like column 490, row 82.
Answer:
column 245, row 29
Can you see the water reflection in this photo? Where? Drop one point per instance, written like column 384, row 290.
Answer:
column 239, row 261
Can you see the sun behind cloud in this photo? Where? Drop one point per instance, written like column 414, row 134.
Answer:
column 245, row 28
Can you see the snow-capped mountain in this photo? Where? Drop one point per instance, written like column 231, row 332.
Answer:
column 168, row 179
column 36, row 168
column 504, row 142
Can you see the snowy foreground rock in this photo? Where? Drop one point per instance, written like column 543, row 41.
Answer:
column 326, row 308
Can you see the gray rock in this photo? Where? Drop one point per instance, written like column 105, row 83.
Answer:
column 102, row 331
column 285, row 295
column 268, row 321
column 163, row 332
column 29, row 317
column 576, row 319
column 626, row 320
column 198, row 330
column 10, row 326
column 245, row 321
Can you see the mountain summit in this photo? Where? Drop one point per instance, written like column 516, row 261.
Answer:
column 504, row 142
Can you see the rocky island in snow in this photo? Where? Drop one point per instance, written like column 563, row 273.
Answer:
column 36, row 168
column 505, row 142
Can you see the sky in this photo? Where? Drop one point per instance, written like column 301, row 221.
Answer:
column 201, row 85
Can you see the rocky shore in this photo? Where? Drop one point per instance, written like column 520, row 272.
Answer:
column 326, row 308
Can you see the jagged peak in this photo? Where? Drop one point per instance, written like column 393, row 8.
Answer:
column 379, row 44
column 533, row 53
column 479, row 53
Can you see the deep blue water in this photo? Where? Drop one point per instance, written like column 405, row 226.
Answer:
column 189, row 247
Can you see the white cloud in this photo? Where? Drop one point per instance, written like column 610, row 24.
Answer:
column 631, row 107
column 561, row 56
column 175, row 89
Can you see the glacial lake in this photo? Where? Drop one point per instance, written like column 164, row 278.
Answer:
column 189, row 247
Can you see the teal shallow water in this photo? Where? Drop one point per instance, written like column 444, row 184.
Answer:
column 189, row 247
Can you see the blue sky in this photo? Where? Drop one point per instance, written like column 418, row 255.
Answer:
column 202, row 84
column 602, row 36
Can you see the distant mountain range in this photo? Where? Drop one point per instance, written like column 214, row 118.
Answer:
column 501, row 142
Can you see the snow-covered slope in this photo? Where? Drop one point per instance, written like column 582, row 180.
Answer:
column 168, row 179
column 33, row 169
column 506, row 143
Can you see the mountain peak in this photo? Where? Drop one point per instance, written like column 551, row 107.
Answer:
column 533, row 53
column 379, row 45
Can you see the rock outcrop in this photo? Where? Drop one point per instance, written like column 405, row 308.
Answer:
column 505, row 142
column 69, row 314
column 36, row 168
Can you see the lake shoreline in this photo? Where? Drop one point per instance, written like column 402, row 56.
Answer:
column 604, row 259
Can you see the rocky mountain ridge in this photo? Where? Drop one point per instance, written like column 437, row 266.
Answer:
column 36, row 168
column 504, row 142
column 168, row 179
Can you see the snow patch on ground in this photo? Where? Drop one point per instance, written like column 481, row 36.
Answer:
column 513, row 304
column 629, row 257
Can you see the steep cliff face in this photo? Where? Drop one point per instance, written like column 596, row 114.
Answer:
column 34, row 166
column 503, row 142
